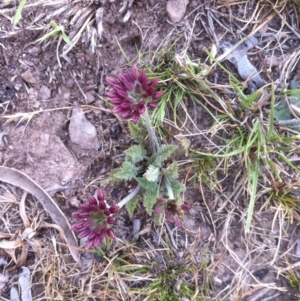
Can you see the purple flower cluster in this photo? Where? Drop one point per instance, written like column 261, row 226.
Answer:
column 96, row 220
column 172, row 210
column 132, row 93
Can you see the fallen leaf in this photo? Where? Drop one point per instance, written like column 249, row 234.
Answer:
column 14, row 295
column 17, row 178
column 25, row 284
column 23, row 211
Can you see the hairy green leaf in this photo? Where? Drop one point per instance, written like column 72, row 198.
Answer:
column 149, row 186
column 152, row 173
column 163, row 153
column 111, row 177
column 131, row 205
column 136, row 153
column 177, row 188
column 149, row 201
column 137, row 131
column 127, row 171
column 158, row 219
column 171, row 172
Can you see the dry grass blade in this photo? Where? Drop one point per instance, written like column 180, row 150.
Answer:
column 11, row 244
column 5, row 235
column 17, row 178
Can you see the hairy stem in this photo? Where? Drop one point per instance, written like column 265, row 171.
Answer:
column 130, row 196
column 151, row 133
column 169, row 189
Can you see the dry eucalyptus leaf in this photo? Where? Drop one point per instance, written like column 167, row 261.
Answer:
column 87, row 264
column 23, row 211
column 14, row 295
column 82, row 132
column 17, row 178
column 4, row 278
column 25, row 284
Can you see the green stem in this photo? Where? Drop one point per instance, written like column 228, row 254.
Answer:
column 151, row 133
column 169, row 189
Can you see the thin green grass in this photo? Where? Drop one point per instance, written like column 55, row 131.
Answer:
column 160, row 276
column 245, row 138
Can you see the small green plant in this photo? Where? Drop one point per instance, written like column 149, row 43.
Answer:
column 294, row 279
column 156, row 274
column 147, row 163
column 167, row 287
column 57, row 30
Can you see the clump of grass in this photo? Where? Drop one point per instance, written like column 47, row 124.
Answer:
column 154, row 274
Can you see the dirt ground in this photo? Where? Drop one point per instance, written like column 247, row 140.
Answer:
column 43, row 83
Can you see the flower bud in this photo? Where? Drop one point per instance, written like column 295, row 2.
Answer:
column 79, row 214
column 107, row 212
column 113, row 209
column 102, row 233
column 89, row 244
column 160, row 200
column 100, row 195
column 102, row 205
column 110, row 220
column 85, row 207
column 185, row 207
column 111, row 233
column 84, row 233
column 158, row 210
column 97, row 240
column 92, row 200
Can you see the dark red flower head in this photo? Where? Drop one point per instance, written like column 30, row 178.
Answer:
column 96, row 220
column 172, row 210
column 132, row 93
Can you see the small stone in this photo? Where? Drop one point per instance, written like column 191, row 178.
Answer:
column 36, row 105
column 65, row 92
column 28, row 77
column 90, row 98
column 70, row 83
column 34, row 51
column 82, row 131
column 44, row 93
column 176, row 9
